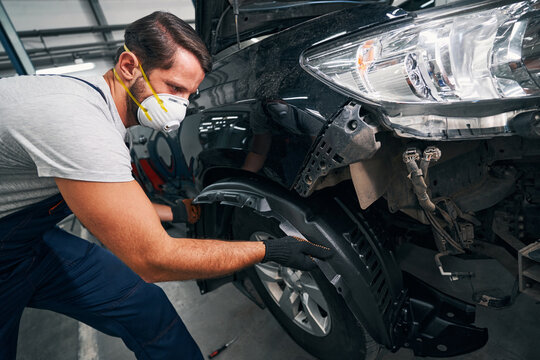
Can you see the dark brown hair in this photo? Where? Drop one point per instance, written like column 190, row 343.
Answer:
column 155, row 37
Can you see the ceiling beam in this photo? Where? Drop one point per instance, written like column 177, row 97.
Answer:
column 13, row 45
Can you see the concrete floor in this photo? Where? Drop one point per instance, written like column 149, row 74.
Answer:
column 212, row 319
column 219, row 316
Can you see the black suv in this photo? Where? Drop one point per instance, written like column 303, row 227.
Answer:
column 390, row 135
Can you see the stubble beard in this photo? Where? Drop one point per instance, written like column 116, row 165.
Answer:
column 136, row 89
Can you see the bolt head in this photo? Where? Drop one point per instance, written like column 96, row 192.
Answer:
column 352, row 125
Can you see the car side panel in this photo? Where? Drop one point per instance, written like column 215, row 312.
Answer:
column 258, row 101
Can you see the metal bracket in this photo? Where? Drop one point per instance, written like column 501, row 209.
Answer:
column 452, row 275
column 346, row 140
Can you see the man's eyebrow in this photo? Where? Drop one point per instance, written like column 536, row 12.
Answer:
column 180, row 87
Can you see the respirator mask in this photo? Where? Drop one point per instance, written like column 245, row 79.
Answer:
column 162, row 112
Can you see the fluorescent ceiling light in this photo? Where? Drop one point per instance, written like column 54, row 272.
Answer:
column 67, row 69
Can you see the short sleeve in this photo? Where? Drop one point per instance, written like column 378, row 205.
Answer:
column 72, row 138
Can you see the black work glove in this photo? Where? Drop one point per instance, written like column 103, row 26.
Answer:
column 295, row 252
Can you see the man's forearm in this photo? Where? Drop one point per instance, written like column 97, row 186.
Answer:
column 164, row 212
column 182, row 259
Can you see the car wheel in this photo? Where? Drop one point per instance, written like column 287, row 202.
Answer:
column 306, row 305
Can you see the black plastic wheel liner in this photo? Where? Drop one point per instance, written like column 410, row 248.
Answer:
column 363, row 272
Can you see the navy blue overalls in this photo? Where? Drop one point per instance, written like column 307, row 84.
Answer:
column 44, row 267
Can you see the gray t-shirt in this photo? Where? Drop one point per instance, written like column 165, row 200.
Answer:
column 53, row 126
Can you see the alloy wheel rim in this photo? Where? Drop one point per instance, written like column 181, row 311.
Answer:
column 296, row 293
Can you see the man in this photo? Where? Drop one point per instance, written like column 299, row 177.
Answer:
column 62, row 143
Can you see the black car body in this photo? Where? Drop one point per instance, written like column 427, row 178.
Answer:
column 272, row 143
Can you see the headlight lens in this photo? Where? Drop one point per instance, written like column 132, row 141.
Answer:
column 464, row 57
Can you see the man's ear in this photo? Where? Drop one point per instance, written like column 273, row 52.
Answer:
column 127, row 66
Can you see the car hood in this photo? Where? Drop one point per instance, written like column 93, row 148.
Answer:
column 215, row 20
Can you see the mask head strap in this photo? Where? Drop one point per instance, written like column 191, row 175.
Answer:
column 131, row 95
column 160, row 102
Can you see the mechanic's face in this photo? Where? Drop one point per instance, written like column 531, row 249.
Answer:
column 181, row 79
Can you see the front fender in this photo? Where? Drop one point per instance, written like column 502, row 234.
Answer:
column 361, row 270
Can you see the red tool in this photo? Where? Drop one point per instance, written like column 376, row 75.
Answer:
column 215, row 353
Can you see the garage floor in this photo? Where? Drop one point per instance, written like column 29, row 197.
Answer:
column 217, row 317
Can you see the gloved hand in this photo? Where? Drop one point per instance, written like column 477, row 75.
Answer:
column 184, row 211
column 295, row 252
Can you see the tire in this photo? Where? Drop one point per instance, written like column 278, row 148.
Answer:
column 331, row 332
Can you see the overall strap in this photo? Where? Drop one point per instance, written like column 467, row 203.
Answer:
column 82, row 80
column 87, row 83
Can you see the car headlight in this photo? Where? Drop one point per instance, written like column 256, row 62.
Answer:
column 458, row 72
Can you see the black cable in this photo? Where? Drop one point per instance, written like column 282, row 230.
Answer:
column 218, row 27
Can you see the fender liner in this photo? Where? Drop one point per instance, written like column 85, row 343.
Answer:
column 361, row 270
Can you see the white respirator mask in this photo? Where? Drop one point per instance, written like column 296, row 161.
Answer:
column 165, row 115
column 162, row 112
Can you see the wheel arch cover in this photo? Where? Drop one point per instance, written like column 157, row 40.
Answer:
column 346, row 270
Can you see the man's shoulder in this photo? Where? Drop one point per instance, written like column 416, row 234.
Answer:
column 56, row 103
column 50, row 88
